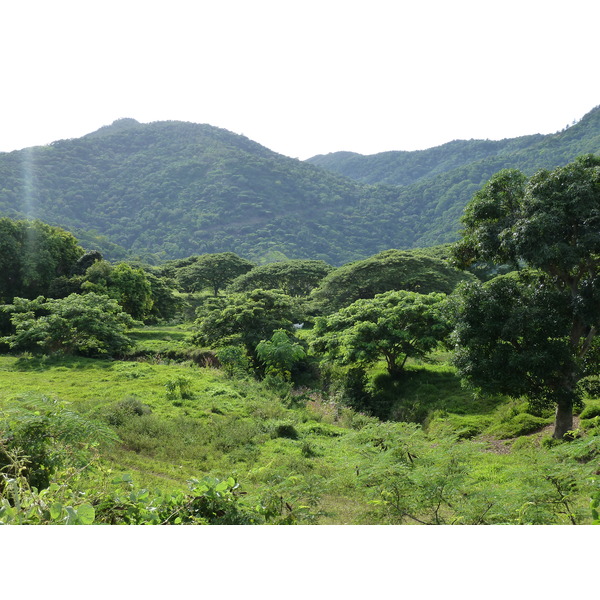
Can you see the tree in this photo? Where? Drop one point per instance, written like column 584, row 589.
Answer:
column 386, row 271
column 293, row 277
column 32, row 256
column 130, row 286
column 132, row 290
column 245, row 318
column 165, row 304
column 549, row 227
column 280, row 353
column 394, row 326
column 88, row 325
column 214, row 271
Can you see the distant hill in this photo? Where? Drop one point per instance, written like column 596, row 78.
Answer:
column 171, row 189
column 528, row 153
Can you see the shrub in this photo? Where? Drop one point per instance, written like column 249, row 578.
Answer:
column 179, row 388
column 119, row 412
column 285, row 430
column 590, row 411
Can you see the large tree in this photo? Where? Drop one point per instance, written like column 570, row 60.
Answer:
column 533, row 334
column 214, row 271
column 32, row 256
column 293, row 277
column 88, row 325
column 389, row 270
column 393, row 326
column 245, row 318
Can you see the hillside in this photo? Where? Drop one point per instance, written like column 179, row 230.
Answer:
column 437, row 183
column 171, row 189
column 176, row 189
column 528, row 153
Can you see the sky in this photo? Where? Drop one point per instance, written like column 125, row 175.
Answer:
column 299, row 77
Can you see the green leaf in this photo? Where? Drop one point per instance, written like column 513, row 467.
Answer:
column 56, row 511
column 86, row 514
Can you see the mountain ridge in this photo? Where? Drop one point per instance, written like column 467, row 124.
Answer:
column 170, row 189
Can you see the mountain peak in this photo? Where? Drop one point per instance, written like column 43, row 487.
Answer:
column 115, row 127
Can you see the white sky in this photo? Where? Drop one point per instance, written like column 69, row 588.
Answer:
column 300, row 77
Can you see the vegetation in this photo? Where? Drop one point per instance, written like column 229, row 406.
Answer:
column 539, row 329
column 212, row 389
column 394, row 326
column 172, row 190
column 390, row 270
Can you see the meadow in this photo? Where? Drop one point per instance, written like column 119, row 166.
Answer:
column 298, row 455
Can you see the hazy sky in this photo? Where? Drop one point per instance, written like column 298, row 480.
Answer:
column 300, row 77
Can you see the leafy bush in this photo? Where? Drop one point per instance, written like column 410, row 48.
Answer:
column 47, row 436
column 128, row 408
column 234, row 360
column 179, row 388
column 89, row 325
column 590, row 411
column 285, row 430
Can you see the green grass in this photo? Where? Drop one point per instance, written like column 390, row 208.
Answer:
column 319, row 460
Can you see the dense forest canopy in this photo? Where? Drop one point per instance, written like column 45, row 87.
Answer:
column 170, row 190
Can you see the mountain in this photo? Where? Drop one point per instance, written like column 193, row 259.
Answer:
column 171, row 189
column 436, row 184
column 174, row 189
column 528, row 153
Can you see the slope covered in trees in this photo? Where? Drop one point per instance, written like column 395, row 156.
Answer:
column 178, row 189
column 170, row 189
column 527, row 153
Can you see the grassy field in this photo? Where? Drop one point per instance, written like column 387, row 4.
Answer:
column 469, row 459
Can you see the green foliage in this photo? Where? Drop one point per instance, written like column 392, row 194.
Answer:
column 174, row 189
column 32, row 256
column 213, row 271
column 293, row 277
column 208, row 501
column 393, row 326
column 120, row 412
column 132, row 290
column 234, row 360
column 21, row 504
column 280, row 353
column 129, row 286
column 40, row 435
column 590, row 411
column 179, row 388
column 387, row 271
column 521, row 424
column 543, row 323
column 88, row 325
column 245, row 318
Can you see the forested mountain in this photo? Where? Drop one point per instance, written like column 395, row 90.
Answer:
column 528, row 153
column 177, row 189
column 172, row 189
column 437, row 183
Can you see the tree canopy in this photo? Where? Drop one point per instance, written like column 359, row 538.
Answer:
column 88, row 325
column 390, row 270
column 245, row 318
column 293, row 277
column 33, row 255
column 393, row 326
column 550, row 226
column 214, row 271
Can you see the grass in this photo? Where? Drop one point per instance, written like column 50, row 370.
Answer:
column 323, row 462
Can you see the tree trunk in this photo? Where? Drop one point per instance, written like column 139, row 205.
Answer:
column 564, row 418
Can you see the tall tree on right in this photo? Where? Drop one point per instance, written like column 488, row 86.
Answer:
column 533, row 333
